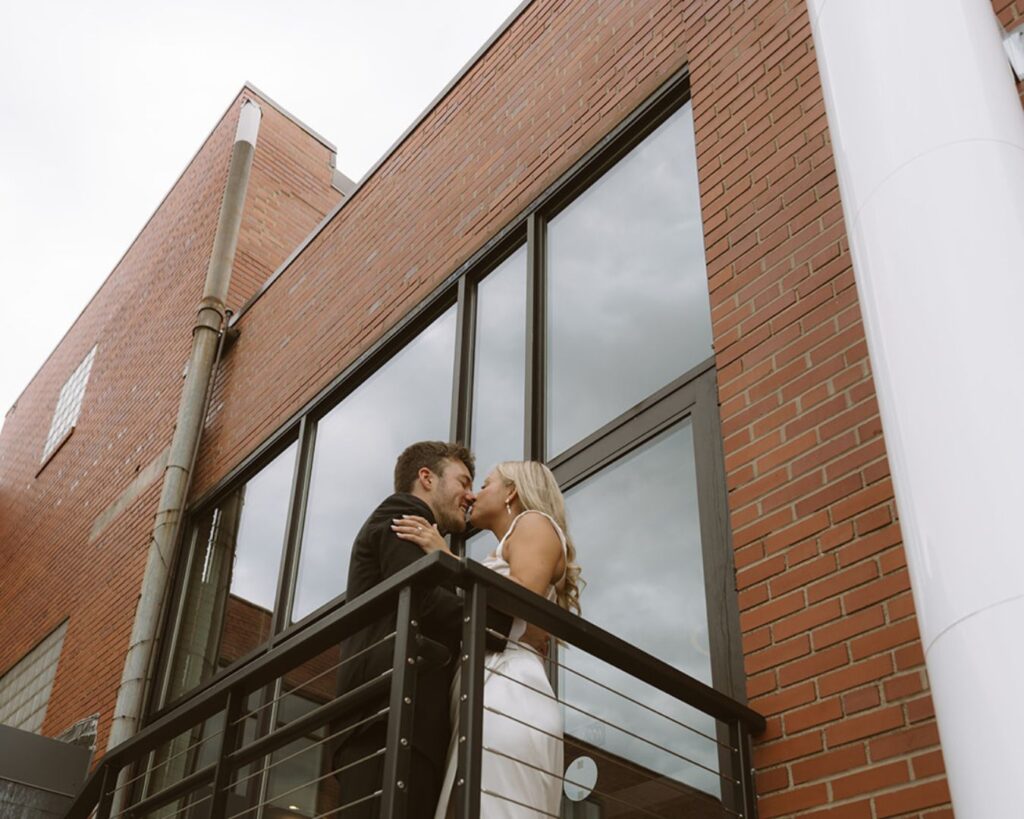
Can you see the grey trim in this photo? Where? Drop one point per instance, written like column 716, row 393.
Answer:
column 289, row 115
column 385, row 157
column 41, row 763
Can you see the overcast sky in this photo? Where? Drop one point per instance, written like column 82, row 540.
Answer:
column 103, row 104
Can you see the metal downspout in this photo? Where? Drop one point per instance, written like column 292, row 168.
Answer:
column 206, row 335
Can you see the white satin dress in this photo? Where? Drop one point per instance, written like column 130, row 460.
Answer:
column 527, row 727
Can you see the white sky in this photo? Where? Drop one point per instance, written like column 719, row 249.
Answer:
column 102, row 105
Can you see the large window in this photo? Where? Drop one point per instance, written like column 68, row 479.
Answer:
column 582, row 337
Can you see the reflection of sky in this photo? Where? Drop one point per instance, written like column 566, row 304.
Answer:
column 637, row 532
column 407, row 400
column 499, row 379
column 261, row 531
column 628, row 306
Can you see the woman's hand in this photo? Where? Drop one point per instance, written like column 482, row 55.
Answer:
column 421, row 532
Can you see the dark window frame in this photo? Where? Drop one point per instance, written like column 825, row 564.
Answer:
column 600, row 448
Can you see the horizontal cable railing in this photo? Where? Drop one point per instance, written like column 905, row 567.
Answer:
column 199, row 759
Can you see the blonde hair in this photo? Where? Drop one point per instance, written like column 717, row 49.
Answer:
column 538, row 490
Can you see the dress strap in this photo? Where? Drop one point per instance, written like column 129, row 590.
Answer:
column 561, row 535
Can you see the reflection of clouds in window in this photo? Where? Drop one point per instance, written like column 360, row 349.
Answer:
column 261, row 532
column 407, row 400
column 499, row 378
column 637, row 533
column 628, row 306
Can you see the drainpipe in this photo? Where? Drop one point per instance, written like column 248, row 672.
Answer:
column 205, row 340
column 928, row 137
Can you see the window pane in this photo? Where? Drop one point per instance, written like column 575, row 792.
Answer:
column 407, row 400
column 229, row 597
column 500, row 367
column 637, row 532
column 628, row 307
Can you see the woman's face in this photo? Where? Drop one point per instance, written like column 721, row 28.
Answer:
column 489, row 506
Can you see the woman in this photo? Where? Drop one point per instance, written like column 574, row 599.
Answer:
column 521, row 504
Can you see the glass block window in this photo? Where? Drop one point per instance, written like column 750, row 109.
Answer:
column 25, row 688
column 69, row 404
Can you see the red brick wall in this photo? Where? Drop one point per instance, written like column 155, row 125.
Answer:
column 141, row 318
column 829, row 634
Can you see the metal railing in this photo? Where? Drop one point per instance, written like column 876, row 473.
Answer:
column 229, row 752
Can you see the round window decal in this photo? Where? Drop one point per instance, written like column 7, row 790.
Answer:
column 580, row 778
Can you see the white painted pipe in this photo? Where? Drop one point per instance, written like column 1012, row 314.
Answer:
column 928, row 137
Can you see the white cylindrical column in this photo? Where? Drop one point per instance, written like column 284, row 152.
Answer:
column 928, row 136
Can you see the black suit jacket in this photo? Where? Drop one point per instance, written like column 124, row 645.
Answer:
column 377, row 554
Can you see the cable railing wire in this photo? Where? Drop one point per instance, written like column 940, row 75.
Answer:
column 128, row 812
column 310, row 747
column 592, row 751
column 572, row 670
column 613, row 725
column 563, row 778
column 272, row 799
column 334, row 667
column 147, row 771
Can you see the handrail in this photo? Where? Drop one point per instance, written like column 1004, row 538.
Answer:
column 433, row 569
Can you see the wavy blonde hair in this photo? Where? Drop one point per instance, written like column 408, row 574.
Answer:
column 538, row 490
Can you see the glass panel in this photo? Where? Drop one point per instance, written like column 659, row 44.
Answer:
column 628, row 307
column 229, row 595
column 637, row 530
column 407, row 400
column 500, row 368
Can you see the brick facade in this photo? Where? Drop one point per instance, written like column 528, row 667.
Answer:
column 141, row 319
column 830, row 640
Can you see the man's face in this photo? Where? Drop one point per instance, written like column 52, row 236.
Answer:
column 452, row 496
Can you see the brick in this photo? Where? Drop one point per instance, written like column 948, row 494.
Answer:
column 869, row 545
column 884, row 639
column 784, row 804
column 863, row 726
column 849, row 626
column 880, row 777
column 813, row 666
column 851, row 810
column 928, row 765
column 903, row 742
column 842, row 581
column 785, row 750
column 777, row 654
column 772, row 611
column 772, row 780
column 904, row 685
column 920, row 709
column 913, row 798
column 861, row 700
column 857, row 674
column 817, row 714
column 829, row 764
column 806, row 619
column 882, row 589
column 802, row 575
column 784, row 700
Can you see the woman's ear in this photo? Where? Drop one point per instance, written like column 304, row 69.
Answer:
column 512, row 494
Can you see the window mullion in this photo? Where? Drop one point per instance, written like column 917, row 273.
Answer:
column 288, row 569
column 535, row 329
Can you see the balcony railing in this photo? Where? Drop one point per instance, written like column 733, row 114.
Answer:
column 645, row 772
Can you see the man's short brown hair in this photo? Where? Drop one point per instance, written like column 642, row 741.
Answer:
column 432, row 455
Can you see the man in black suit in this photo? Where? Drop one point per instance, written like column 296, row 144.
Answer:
column 434, row 480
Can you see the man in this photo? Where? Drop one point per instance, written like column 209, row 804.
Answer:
column 434, row 480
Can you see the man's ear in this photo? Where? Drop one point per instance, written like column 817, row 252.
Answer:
column 425, row 478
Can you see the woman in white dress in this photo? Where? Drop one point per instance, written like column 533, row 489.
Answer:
column 521, row 504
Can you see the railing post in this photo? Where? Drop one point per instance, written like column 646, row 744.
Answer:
column 745, row 771
column 107, row 787
column 225, row 745
column 395, row 785
column 471, row 701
